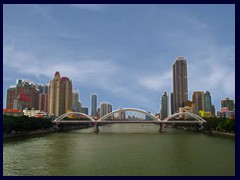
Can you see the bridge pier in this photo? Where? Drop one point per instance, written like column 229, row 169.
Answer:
column 160, row 127
column 96, row 129
column 55, row 126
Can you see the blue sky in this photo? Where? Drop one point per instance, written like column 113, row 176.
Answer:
column 124, row 53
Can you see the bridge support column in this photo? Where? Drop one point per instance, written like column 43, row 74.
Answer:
column 56, row 126
column 96, row 129
column 160, row 127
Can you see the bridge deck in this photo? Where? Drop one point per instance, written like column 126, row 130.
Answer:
column 112, row 122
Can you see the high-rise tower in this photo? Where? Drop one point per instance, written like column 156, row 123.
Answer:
column 93, row 104
column 164, row 105
column 105, row 108
column 199, row 101
column 180, row 83
column 75, row 102
column 208, row 101
column 22, row 95
column 60, row 95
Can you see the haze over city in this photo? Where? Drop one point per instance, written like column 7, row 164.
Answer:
column 124, row 53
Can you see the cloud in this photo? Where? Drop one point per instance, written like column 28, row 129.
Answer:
column 7, row 51
column 157, row 82
column 89, row 7
column 88, row 71
column 138, row 67
column 43, row 11
column 213, row 70
column 81, row 69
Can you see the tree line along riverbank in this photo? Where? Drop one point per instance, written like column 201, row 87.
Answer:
column 19, row 125
column 14, row 126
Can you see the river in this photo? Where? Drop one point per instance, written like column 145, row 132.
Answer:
column 120, row 149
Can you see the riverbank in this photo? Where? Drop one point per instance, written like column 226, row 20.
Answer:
column 40, row 132
column 225, row 134
column 31, row 133
column 213, row 133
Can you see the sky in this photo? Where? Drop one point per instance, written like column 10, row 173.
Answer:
column 123, row 53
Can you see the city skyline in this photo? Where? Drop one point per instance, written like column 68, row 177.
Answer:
column 122, row 52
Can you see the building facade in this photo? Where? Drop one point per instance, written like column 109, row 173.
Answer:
column 43, row 102
column 105, row 108
column 172, row 103
column 76, row 107
column 43, row 88
column 60, row 95
column 180, row 83
column 228, row 103
column 84, row 110
column 164, row 106
column 22, row 95
column 199, row 101
column 12, row 112
column 213, row 111
column 208, row 101
column 93, row 104
column 30, row 112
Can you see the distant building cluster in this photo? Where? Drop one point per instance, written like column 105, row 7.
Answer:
column 201, row 103
column 55, row 99
column 58, row 97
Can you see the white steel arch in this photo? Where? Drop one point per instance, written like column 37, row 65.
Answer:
column 69, row 113
column 129, row 109
column 198, row 118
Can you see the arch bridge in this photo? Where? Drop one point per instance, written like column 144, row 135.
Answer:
column 122, row 118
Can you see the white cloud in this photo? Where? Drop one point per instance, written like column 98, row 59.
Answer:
column 7, row 51
column 213, row 70
column 157, row 82
column 89, row 7
column 89, row 72
column 40, row 9
column 79, row 69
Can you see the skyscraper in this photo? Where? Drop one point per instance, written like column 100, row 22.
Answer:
column 208, row 101
column 172, row 103
column 67, row 93
column 22, row 95
column 213, row 113
column 93, row 104
column 60, row 95
column 84, row 110
column 180, row 84
column 75, row 102
column 199, row 101
column 43, row 102
column 164, row 105
column 43, row 97
column 43, row 88
column 11, row 96
column 55, row 92
column 105, row 108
